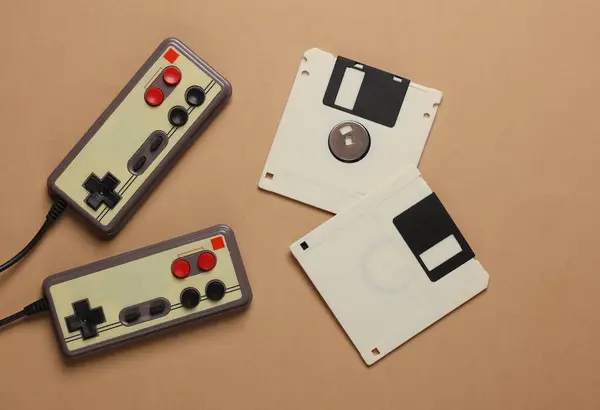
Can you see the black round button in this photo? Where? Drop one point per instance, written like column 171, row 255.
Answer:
column 190, row 298
column 215, row 290
column 178, row 116
column 195, row 96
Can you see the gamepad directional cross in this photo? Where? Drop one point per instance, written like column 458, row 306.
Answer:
column 85, row 319
column 102, row 191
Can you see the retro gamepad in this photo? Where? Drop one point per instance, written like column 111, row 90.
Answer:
column 139, row 293
column 139, row 137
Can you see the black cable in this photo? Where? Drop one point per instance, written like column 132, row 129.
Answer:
column 55, row 212
column 31, row 309
column 12, row 318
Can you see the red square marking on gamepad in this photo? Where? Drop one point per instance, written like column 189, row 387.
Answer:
column 171, row 55
column 217, row 243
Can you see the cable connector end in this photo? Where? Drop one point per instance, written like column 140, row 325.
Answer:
column 38, row 306
column 58, row 207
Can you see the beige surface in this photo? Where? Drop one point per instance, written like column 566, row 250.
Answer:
column 514, row 156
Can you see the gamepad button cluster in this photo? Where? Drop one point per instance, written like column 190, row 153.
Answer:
column 205, row 262
column 162, row 86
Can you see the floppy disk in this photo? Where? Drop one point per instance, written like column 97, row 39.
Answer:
column 391, row 266
column 346, row 127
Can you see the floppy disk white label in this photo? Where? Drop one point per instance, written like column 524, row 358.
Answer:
column 346, row 127
column 391, row 266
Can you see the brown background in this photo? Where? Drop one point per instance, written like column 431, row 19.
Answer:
column 513, row 155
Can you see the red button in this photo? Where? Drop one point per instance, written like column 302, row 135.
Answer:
column 154, row 97
column 180, row 269
column 206, row 261
column 172, row 75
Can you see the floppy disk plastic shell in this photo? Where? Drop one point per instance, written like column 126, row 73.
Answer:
column 371, row 279
column 300, row 165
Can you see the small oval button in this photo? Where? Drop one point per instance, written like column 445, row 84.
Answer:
column 139, row 164
column 157, row 308
column 131, row 315
column 156, row 143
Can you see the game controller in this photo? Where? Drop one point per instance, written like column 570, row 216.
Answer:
column 139, row 137
column 126, row 297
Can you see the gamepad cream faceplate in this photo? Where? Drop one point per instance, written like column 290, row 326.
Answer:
column 328, row 90
column 128, row 124
column 391, row 266
column 129, row 280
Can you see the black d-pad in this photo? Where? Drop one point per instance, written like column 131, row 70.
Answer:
column 85, row 319
column 102, row 191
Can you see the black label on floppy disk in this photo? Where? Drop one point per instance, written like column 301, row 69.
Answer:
column 379, row 97
column 433, row 237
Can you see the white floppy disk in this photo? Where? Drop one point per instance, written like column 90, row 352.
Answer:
column 391, row 266
column 346, row 127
